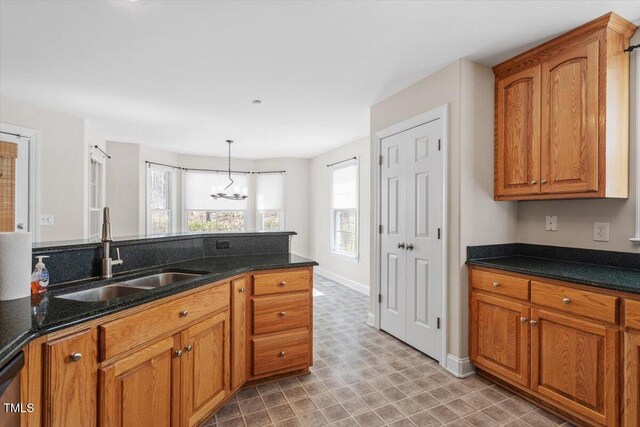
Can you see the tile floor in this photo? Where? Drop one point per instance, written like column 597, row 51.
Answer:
column 364, row 377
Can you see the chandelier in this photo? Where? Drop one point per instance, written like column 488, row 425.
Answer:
column 222, row 194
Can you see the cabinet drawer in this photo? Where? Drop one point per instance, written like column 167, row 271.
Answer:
column 280, row 312
column 130, row 331
column 632, row 313
column 279, row 282
column 576, row 301
column 501, row 284
column 280, row 352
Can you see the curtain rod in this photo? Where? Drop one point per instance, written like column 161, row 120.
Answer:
column 101, row 150
column 17, row 135
column 632, row 48
column 342, row 161
column 211, row 170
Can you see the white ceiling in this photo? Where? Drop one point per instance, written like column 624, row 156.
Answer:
column 180, row 75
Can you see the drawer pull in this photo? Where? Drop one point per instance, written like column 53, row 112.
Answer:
column 566, row 300
column 241, row 290
column 533, row 322
column 283, row 313
column 283, row 283
column 188, row 348
column 534, row 182
column 178, row 353
column 496, row 284
column 523, row 320
column 281, row 354
column 75, row 357
column 184, row 313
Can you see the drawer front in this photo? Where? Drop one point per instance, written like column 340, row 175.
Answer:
column 500, row 284
column 632, row 313
column 279, row 282
column 125, row 333
column 575, row 301
column 288, row 350
column 280, row 312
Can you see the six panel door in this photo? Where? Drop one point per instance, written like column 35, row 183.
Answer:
column 517, row 168
column 570, row 120
column 142, row 389
column 500, row 336
column 205, row 367
column 71, row 380
column 575, row 362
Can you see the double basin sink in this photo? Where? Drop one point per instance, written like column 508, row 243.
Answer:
column 129, row 287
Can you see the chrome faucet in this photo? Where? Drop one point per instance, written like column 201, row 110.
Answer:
column 107, row 261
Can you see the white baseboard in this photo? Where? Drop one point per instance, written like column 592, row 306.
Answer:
column 371, row 320
column 363, row 289
column 461, row 368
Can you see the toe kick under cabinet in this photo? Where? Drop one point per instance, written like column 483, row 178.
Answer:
column 175, row 361
column 572, row 348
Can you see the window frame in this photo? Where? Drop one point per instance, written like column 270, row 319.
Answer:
column 103, row 187
column 355, row 257
column 170, row 197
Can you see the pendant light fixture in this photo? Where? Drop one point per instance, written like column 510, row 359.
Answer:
column 222, row 194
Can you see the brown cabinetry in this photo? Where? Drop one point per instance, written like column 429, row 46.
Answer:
column 239, row 297
column 562, row 116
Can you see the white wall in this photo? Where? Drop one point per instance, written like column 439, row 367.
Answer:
column 339, row 267
column 123, row 188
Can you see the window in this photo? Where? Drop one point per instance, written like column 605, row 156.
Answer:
column 270, row 201
column 344, row 207
column 204, row 213
column 96, row 197
column 159, row 200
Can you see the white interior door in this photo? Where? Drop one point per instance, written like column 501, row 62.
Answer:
column 412, row 238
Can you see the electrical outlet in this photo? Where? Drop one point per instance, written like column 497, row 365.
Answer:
column 46, row 219
column 601, row 231
column 551, row 223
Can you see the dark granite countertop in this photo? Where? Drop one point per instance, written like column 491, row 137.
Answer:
column 603, row 269
column 27, row 318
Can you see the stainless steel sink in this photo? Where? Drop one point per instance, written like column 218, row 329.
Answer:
column 104, row 293
column 157, row 280
column 129, row 287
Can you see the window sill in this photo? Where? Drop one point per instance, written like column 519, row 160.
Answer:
column 635, row 240
column 353, row 258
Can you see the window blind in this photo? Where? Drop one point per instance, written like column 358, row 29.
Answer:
column 200, row 185
column 345, row 186
column 270, row 191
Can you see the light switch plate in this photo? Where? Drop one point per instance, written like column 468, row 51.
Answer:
column 46, row 219
column 601, row 231
column 551, row 223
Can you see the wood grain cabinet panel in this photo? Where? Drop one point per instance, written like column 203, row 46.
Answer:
column 71, row 380
column 280, row 282
column 239, row 297
column 281, row 352
column 631, row 402
column 500, row 284
column 280, row 312
column 205, row 367
column 575, row 363
column 142, row 389
column 500, row 336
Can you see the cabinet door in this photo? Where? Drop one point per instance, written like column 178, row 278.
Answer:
column 631, row 409
column 71, row 380
column 142, row 389
column 239, row 296
column 575, row 363
column 570, row 120
column 205, row 367
column 517, row 168
column 500, row 336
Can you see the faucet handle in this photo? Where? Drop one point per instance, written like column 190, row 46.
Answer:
column 118, row 260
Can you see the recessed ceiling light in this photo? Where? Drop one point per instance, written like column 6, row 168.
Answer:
column 256, row 102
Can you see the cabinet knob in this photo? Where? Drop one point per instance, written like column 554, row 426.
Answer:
column 496, row 284
column 241, row 290
column 523, row 320
column 543, row 181
column 184, row 313
column 283, row 283
column 533, row 322
column 283, row 313
column 75, row 356
column 188, row 348
column 282, row 353
column 566, row 300
column 178, row 353
column 534, row 182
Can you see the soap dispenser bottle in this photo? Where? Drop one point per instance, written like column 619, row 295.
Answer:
column 39, row 277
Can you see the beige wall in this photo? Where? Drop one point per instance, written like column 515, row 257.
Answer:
column 576, row 217
column 467, row 89
column 346, row 269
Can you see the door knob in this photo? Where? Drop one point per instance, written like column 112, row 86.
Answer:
column 410, row 247
column 401, row 245
column 20, row 226
column 178, row 353
column 189, row 347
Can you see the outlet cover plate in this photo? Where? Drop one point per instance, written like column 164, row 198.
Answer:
column 46, row 219
column 551, row 223
column 601, row 231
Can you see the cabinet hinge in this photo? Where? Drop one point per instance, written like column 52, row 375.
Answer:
column 380, row 229
column 379, row 298
column 439, row 145
column 438, row 323
column 380, row 160
column 439, row 233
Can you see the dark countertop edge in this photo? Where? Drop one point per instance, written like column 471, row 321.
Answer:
column 486, row 262
column 21, row 341
column 53, row 246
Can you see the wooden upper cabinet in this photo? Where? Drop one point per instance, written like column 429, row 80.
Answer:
column 562, row 116
column 71, row 380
